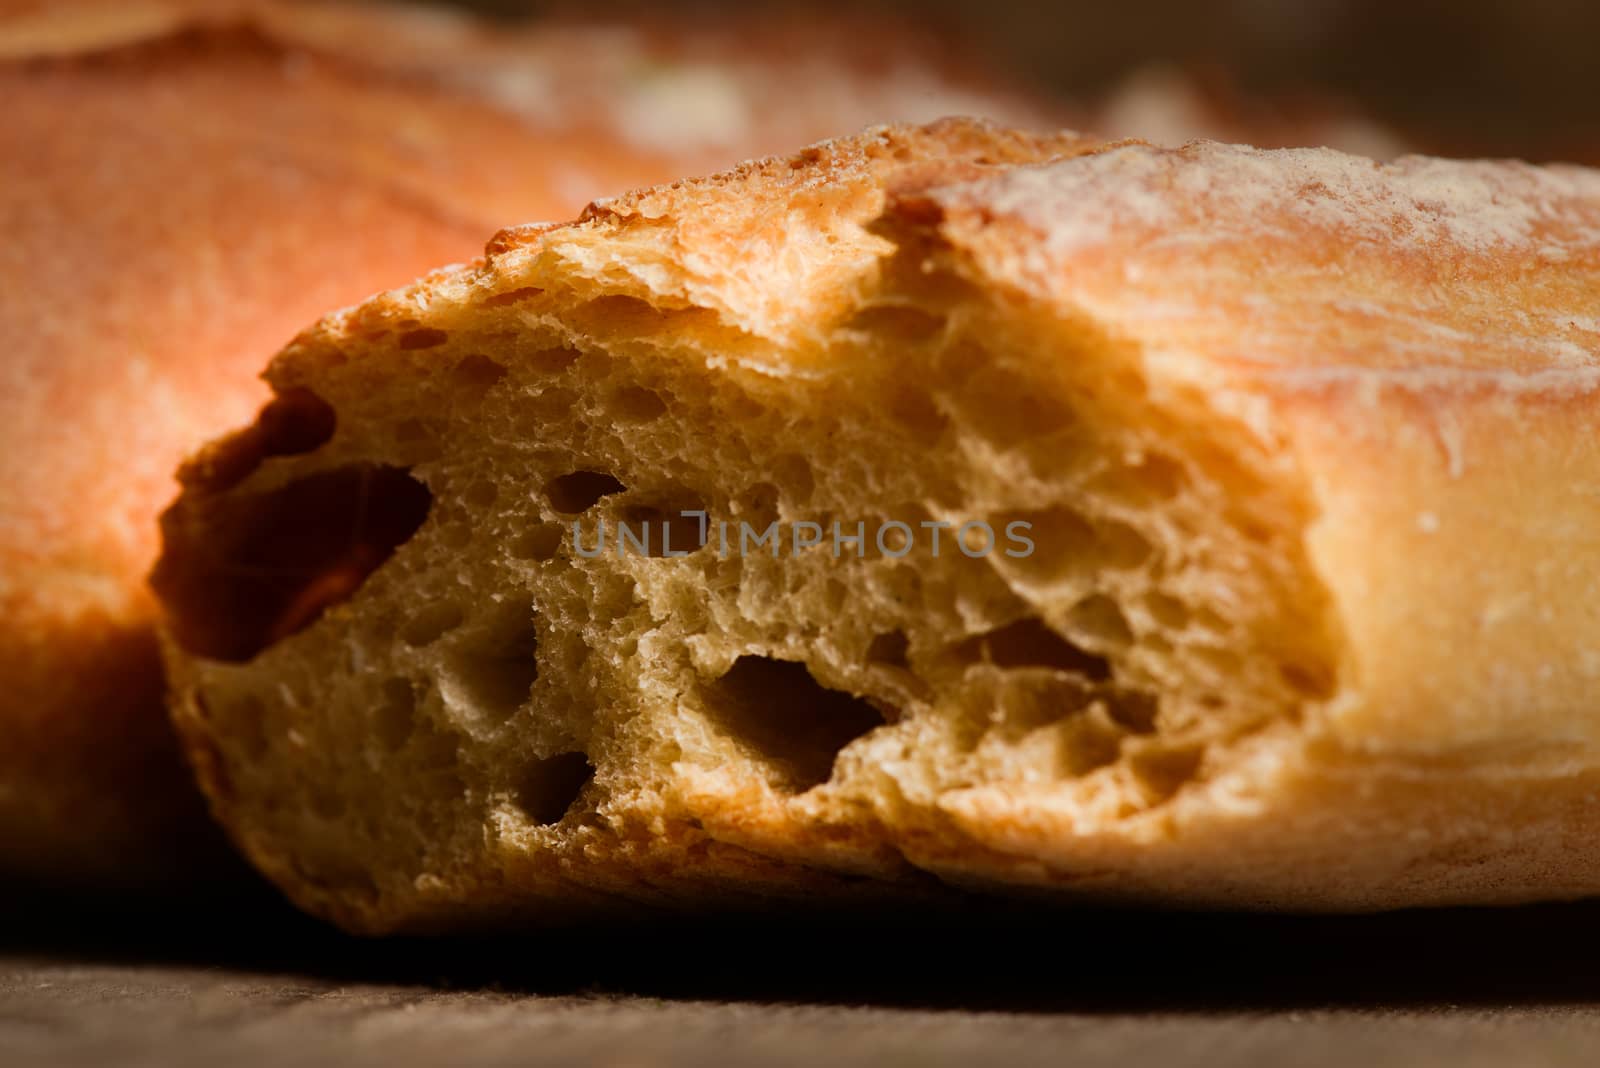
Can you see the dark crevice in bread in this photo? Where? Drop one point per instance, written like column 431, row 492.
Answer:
column 264, row 566
column 786, row 719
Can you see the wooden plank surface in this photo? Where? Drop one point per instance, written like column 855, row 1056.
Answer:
column 261, row 986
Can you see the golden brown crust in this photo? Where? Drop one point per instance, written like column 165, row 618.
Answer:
column 184, row 186
column 1416, row 339
column 1261, row 262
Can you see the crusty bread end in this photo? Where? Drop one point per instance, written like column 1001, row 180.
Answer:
column 418, row 698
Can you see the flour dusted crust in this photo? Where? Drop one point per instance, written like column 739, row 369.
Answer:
column 1415, row 338
column 1299, row 439
column 185, row 184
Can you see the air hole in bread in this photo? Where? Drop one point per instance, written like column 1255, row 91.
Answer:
column 264, row 566
column 1064, row 544
column 1162, row 772
column 1153, row 479
column 649, row 531
column 426, row 338
column 1208, row 618
column 786, row 718
column 1167, row 610
column 1099, row 620
column 431, row 623
column 888, row 655
column 1022, row 704
column 477, row 373
column 495, row 668
column 889, row 648
column 905, row 322
column 580, row 491
column 1121, row 546
column 1087, row 743
column 541, row 542
column 618, row 312
column 638, row 405
column 551, row 787
column 1031, row 643
column 1253, row 529
column 512, row 296
column 1005, row 406
column 1133, row 710
column 295, row 421
column 1067, row 546
column 1308, row 680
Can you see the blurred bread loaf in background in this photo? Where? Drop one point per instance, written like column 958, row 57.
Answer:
column 185, row 185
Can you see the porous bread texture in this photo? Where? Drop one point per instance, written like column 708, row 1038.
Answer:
column 416, row 705
column 186, row 183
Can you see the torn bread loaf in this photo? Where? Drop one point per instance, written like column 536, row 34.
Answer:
column 1297, row 443
column 186, row 183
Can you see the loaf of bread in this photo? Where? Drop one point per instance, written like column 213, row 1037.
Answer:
column 184, row 185
column 938, row 507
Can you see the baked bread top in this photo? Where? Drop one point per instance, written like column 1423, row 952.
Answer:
column 1302, row 260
